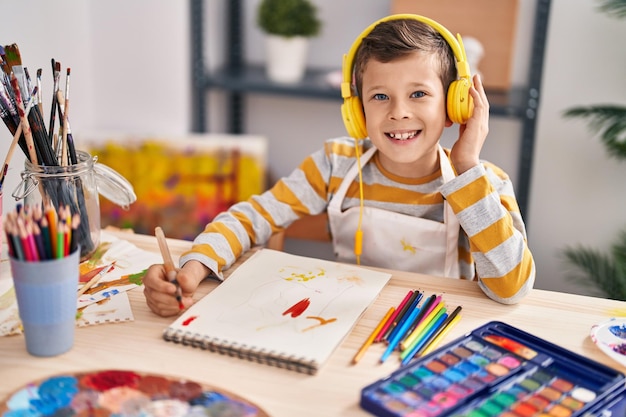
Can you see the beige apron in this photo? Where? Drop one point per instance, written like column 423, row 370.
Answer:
column 393, row 240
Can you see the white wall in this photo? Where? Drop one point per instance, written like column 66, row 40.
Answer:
column 131, row 72
column 578, row 194
column 129, row 64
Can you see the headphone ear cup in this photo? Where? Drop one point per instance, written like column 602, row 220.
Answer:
column 353, row 117
column 460, row 104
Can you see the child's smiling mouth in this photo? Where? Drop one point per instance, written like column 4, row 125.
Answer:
column 403, row 135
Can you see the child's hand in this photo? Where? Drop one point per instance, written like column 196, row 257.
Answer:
column 161, row 294
column 465, row 153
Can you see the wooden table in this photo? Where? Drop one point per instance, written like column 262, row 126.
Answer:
column 564, row 319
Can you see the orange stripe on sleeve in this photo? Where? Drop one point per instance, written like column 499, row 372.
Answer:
column 509, row 284
column 470, row 194
column 493, row 235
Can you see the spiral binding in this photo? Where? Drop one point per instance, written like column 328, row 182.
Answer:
column 250, row 353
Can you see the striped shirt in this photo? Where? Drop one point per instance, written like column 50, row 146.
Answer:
column 492, row 241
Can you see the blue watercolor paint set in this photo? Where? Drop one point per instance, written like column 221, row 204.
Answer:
column 498, row 370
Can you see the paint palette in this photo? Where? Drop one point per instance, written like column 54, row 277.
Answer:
column 119, row 393
column 497, row 370
column 610, row 337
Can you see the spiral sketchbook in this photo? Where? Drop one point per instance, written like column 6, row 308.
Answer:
column 280, row 309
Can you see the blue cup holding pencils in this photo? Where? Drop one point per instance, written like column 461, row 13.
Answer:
column 46, row 299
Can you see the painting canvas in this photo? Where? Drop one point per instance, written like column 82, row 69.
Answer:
column 181, row 183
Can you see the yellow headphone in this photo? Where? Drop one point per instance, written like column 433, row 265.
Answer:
column 459, row 102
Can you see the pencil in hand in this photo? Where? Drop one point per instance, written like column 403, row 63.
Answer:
column 168, row 263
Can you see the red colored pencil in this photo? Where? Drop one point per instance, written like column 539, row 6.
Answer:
column 380, row 335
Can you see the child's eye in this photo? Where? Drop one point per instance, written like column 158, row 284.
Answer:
column 380, row 96
column 418, row 94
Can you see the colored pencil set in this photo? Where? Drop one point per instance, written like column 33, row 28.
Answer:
column 412, row 328
column 41, row 233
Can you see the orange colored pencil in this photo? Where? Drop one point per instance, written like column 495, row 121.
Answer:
column 357, row 357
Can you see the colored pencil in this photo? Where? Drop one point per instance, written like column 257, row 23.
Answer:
column 51, row 214
column 45, row 233
column 389, row 323
column 407, row 355
column 427, row 307
column 368, row 342
column 438, row 305
column 28, row 230
column 428, row 329
column 168, row 263
column 414, row 301
column 432, row 341
column 17, row 244
column 395, row 341
column 400, row 310
column 441, row 335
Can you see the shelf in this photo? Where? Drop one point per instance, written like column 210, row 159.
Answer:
column 252, row 79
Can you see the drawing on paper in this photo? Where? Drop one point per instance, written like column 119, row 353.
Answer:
column 295, row 298
column 281, row 308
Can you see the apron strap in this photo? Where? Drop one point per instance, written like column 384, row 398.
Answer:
column 337, row 199
column 450, row 220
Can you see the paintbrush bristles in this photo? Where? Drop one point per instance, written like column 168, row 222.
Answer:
column 13, row 56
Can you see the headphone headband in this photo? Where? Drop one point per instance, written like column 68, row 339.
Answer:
column 455, row 43
column 460, row 106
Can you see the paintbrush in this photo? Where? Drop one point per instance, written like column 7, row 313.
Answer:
column 14, row 60
column 37, row 129
column 16, row 137
column 40, row 104
column 93, row 281
column 70, row 139
column 56, row 70
column 24, row 121
column 66, row 110
column 168, row 263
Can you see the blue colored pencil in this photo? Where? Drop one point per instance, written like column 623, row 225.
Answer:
column 421, row 342
column 441, row 330
column 413, row 303
column 400, row 334
column 401, row 311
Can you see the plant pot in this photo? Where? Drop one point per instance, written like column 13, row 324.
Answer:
column 286, row 58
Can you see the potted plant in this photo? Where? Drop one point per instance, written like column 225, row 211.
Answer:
column 605, row 272
column 288, row 25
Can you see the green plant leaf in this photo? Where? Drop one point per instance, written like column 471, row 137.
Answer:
column 607, row 120
column 288, row 18
column 616, row 8
column 606, row 273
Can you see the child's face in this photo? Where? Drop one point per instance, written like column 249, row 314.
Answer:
column 405, row 113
